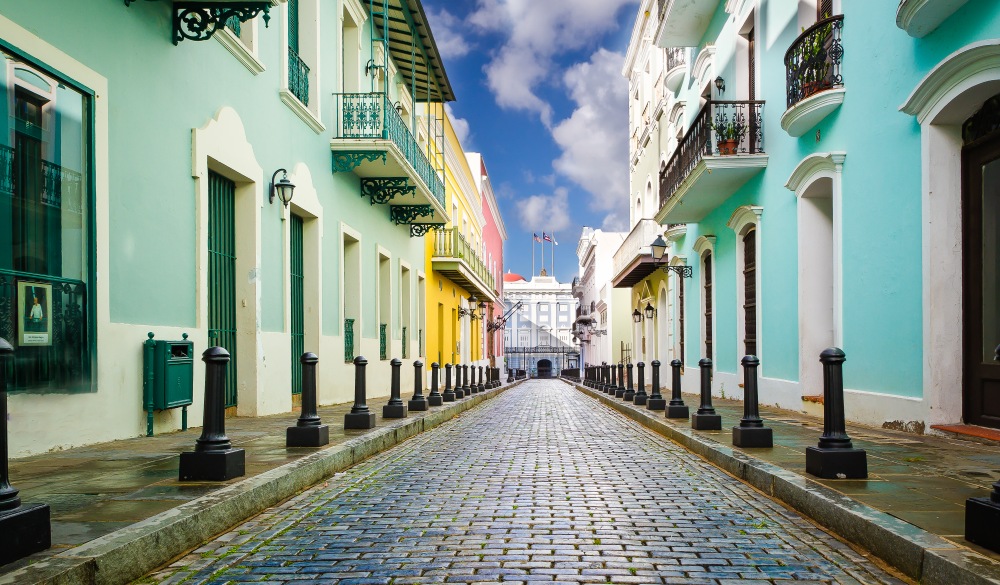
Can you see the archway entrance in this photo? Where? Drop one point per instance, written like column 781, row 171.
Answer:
column 544, row 368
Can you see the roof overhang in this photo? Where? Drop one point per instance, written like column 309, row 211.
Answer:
column 635, row 272
column 412, row 47
column 684, row 22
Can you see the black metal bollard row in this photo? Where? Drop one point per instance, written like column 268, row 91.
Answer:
column 395, row 407
column 309, row 430
column 706, row 419
column 482, row 385
column 360, row 417
column 835, row 457
column 24, row 528
column 640, row 396
column 419, row 402
column 460, row 374
column 751, row 431
column 213, row 458
column 656, row 400
column 629, row 394
column 613, row 385
column 435, row 398
column 449, row 392
column 676, row 408
column 620, row 390
column 510, row 375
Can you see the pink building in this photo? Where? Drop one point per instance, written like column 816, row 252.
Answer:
column 494, row 235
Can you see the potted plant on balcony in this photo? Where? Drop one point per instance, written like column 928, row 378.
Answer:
column 728, row 135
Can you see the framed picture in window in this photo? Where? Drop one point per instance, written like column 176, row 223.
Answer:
column 34, row 312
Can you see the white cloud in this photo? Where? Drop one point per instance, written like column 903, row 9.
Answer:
column 448, row 35
column 548, row 213
column 461, row 126
column 535, row 32
column 593, row 139
column 614, row 223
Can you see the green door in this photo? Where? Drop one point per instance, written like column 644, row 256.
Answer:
column 222, row 273
column 298, row 312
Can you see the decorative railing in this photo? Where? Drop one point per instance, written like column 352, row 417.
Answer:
column 450, row 243
column 383, row 342
column 298, row 77
column 404, row 343
column 348, row 340
column 58, row 357
column 636, row 244
column 233, row 24
column 60, row 186
column 6, row 170
column 812, row 63
column 721, row 128
column 373, row 116
column 676, row 57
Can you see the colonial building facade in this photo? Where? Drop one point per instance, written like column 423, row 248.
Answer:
column 603, row 309
column 137, row 175
column 539, row 332
column 826, row 171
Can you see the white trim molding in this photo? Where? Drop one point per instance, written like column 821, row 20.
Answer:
column 919, row 18
column 974, row 64
column 704, row 244
column 812, row 167
column 743, row 216
column 243, row 53
column 704, row 64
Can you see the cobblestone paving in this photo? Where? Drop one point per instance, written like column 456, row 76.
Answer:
column 539, row 485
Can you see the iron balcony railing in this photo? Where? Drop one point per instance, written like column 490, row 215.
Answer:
column 61, row 187
column 233, row 24
column 636, row 244
column 298, row 77
column 812, row 63
column 383, row 342
column 372, row 116
column 348, row 340
column 404, row 343
column 450, row 243
column 676, row 56
column 721, row 128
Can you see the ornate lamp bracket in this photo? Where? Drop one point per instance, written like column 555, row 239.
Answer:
column 400, row 214
column 682, row 271
column 420, row 229
column 198, row 21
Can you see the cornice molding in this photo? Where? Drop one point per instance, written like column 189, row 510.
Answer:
column 815, row 165
column 969, row 61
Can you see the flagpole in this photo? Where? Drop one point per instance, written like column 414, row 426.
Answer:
column 552, row 245
column 532, row 254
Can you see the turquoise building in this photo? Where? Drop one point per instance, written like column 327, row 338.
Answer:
column 829, row 172
column 141, row 140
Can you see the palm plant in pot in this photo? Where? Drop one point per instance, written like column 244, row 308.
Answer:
column 728, row 135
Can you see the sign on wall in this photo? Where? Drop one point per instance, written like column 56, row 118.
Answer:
column 34, row 302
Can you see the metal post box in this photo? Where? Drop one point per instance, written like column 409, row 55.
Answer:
column 168, row 377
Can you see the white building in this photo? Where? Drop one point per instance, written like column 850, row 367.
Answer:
column 542, row 326
column 603, row 308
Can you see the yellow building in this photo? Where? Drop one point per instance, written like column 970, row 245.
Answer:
column 459, row 283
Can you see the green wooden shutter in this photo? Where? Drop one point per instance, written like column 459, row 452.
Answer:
column 222, row 273
column 298, row 311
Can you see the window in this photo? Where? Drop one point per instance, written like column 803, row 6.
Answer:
column 46, row 228
column 240, row 39
column 299, row 91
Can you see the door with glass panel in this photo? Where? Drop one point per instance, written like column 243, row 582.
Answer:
column 222, row 274
column 981, row 265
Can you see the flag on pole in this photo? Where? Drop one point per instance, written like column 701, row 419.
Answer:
column 546, row 237
column 553, row 240
column 537, row 239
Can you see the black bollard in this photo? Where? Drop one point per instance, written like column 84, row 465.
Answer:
column 706, row 419
column 449, row 393
column 676, row 408
column 309, row 430
column 213, row 458
column 459, row 387
column 419, row 402
column 751, row 431
column 614, row 384
column 835, row 457
column 395, row 407
column 510, row 375
column 629, row 394
column 474, row 386
column 360, row 417
column 435, row 398
column 24, row 528
column 982, row 515
column 466, row 388
column 656, row 400
column 640, row 396
column 620, row 390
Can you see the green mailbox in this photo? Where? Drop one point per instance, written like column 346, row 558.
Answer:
column 168, row 377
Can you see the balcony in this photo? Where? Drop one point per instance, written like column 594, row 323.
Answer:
column 634, row 261
column 683, row 23
column 919, row 18
column 455, row 258
column 814, row 85
column 371, row 139
column 723, row 149
column 676, row 64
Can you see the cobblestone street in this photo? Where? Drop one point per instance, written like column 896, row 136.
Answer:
column 541, row 484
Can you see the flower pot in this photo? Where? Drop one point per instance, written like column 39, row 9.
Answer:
column 811, row 87
column 728, row 146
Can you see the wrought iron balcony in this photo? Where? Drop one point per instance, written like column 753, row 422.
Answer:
column 298, row 77
column 676, row 61
column 371, row 139
column 348, row 340
column 61, row 187
column 634, row 260
column 812, row 63
column 455, row 258
column 721, row 150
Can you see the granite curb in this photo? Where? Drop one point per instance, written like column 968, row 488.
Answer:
column 133, row 551
column 919, row 554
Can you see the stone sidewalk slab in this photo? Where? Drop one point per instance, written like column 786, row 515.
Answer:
column 906, row 512
column 119, row 511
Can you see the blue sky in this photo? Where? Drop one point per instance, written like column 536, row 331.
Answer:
column 539, row 86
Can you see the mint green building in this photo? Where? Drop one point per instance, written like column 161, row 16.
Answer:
column 140, row 142
column 830, row 171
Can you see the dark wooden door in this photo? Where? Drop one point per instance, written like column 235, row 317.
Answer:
column 750, row 292
column 708, row 305
column 981, row 276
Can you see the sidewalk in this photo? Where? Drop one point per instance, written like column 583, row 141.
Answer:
column 910, row 511
column 119, row 511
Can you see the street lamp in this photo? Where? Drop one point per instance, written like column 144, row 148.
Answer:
column 471, row 311
column 650, row 311
column 637, row 316
column 658, row 249
column 283, row 188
